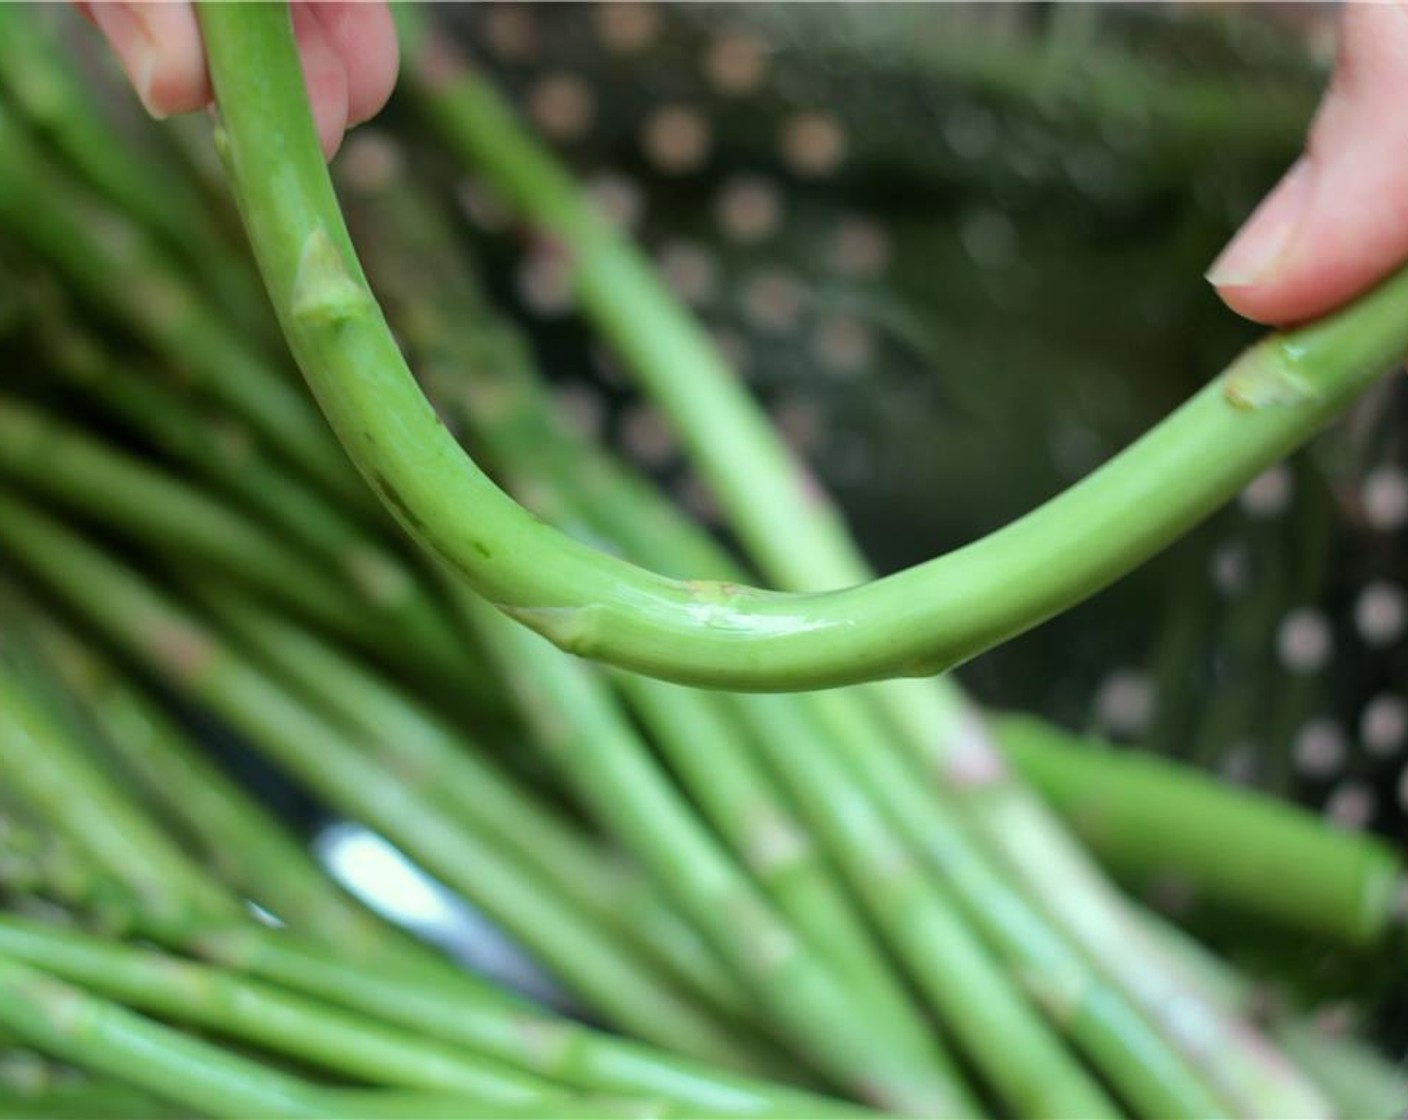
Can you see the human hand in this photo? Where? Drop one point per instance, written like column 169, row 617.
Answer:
column 348, row 50
column 1338, row 221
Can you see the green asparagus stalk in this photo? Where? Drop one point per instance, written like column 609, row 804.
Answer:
column 117, row 266
column 1145, row 818
column 88, row 1099
column 229, row 458
column 64, row 1022
column 46, row 88
column 340, row 1042
column 447, row 762
column 249, row 849
column 956, row 970
column 466, row 1013
column 53, row 458
column 552, row 1048
column 709, row 755
column 798, row 540
column 49, row 773
column 917, row 622
column 598, row 751
column 348, row 776
column 1358, row 1080
column 69, row 1024
column 42, row 864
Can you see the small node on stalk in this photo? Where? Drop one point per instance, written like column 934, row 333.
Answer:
column 324, row 290
column 773, row 843
column 221, row 141
column 183, row 650
column 1262, row 377
column 1058, row 992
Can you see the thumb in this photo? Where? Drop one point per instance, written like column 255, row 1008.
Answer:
column 1338, row 221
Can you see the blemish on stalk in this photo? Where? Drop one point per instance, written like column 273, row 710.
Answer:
column 1059, row 992
column 182, row 650
column 392, row 497
column 770, row 944
column 325, row 292
column 773, row 842
column 1262, row 378
column 967, row 758
column 66, row 1010
column 548, row 1042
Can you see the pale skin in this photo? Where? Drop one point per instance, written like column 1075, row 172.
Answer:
column 1336, row 224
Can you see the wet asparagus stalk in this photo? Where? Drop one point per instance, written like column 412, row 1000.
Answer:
column 1147, row 817
column 797, row 539
column 118, row 267
column 470, row 784
column 344, row 1044
column 349, row 776
column 247, row 847
column 512, row 422
column 466, row 1013
column 58, row 104
column 588, row 736
column 52, row 777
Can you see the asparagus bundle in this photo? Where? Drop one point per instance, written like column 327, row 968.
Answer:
column 810, row 904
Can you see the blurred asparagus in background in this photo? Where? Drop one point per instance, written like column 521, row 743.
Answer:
column 763, row 906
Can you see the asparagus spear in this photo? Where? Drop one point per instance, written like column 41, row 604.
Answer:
column 192, row 659
column 553, row 1048
column 918, row 622
column 1254, row 854
column 443, row 320
column 118, row 267
column 469, row 784
column 59, row 461
column 47, row 771
column 798, row 540
column 47, row 89
column 466, row 1012
column 598, row 751
column 228, row 456
column 67, row 1023
column 248, row 847
column 60, row 1020
column 340, row 1042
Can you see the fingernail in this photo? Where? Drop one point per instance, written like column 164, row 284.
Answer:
column 143, row 72
column 129, row 37
column 1252, row 256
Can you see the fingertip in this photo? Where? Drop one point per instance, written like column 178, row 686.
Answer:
column 365, row 37
column 161, row 52
column 324, row 76
column 1342, row 225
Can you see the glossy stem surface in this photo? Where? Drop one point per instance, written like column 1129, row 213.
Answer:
column 917, row 622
